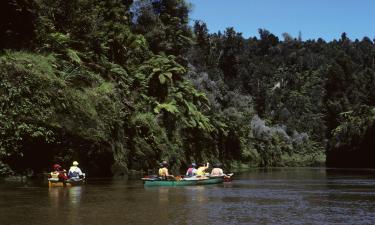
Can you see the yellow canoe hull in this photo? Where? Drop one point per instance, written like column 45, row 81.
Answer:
column 58, row 184
column 65, row 184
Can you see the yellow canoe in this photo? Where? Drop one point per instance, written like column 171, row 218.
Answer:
column 67, row 183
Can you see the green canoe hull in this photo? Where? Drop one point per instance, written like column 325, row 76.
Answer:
column 171, row 183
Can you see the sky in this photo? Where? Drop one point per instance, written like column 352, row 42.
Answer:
column 326, row 19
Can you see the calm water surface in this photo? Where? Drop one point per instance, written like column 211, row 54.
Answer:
column 273, row 196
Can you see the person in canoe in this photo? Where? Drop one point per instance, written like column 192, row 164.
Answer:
column 163, row 171
column 202, row 169
column 192, row 171
column 75, row 173
column 58, row 174
column 217, row 171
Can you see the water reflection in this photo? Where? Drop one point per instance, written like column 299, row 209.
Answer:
column 75, row 194
column 199, row 194
column 277, row 196
column 60, row 196
column 65, row 204
column 163, row 196
column 56, row 196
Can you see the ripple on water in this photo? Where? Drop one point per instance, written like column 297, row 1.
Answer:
column 293, row 196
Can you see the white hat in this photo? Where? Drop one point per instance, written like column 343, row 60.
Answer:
column 75, row 163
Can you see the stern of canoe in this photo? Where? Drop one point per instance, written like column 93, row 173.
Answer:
column 212, row 180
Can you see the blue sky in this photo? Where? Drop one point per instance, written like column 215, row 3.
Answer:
column 314, row 18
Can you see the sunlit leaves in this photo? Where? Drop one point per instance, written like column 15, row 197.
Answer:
column 168, row 107
column 73, row 56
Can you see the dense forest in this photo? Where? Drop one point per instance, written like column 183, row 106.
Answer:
column 120, row 85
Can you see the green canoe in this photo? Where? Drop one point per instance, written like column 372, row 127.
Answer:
column 154, row 182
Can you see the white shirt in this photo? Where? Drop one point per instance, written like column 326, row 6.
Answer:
column 217, row 172
column 75, row 169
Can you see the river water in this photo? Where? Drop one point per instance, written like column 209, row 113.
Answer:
column 272, row 196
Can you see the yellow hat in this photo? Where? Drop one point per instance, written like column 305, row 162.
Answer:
column 75, row 163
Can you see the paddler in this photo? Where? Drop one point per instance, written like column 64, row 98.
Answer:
column 75, row 173
column 163, row 171
column 192, row 171
column 217, row 171
column 58, row 174
column 202, row 169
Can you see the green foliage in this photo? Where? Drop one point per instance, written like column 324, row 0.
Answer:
column 352, row 140
column 353, row 127
column 302, row 86
column 149, row 142
column 169, row 107
column 25, row 103
column 5, row 170
column 164, row 23
column 122, row 85
column 39, row 106
column 73, row 56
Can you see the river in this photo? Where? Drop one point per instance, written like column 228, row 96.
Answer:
column 260, row 196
